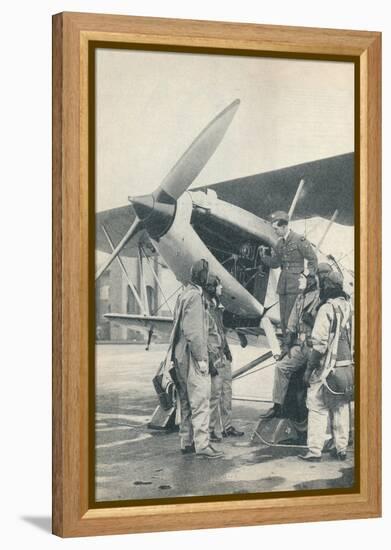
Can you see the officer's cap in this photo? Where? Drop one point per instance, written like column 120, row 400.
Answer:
column 324, row 268
column 335, row 279
column 279, row 215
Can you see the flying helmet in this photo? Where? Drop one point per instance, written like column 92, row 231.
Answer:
column 334, row 279
column 199, row 272
column 212, row 284
column 323, row 271
column 324, row 268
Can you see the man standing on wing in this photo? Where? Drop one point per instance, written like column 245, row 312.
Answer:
column 329, row 374
column 220, row 362
column 192, row 368
column 290, row 252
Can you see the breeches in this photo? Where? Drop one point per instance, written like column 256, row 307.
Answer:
column 286, row 304
column 284, row 370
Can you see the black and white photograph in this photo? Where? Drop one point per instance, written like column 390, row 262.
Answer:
column 193, row 216
column 225, row 275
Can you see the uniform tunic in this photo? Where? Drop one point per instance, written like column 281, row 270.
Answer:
column 194, row 385
column 290, row 253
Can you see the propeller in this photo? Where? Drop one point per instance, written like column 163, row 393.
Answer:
column 197, row 155
column 156, row 212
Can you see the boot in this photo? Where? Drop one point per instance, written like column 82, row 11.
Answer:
column 310, row 457
column 214, row 437
column 233, row 432
column 275, row 411
column 210, row 452
column 188, row 449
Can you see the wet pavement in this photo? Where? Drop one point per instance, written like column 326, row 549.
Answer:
column 134, row 462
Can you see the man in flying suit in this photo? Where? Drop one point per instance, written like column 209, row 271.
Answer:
column 192, row 368
column 220, row 366
column 331, row 355
column 290, row 252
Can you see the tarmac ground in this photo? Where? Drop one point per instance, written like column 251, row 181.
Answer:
column 133, row 462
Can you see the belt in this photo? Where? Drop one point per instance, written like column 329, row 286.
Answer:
column 293, row 270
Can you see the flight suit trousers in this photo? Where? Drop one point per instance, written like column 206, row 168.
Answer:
column 194, row 396
column 286, row 304
column 318, row 418
column 221, row 400
column 285, row 368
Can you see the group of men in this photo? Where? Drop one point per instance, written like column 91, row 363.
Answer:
column 316, row 322
column 316, row 319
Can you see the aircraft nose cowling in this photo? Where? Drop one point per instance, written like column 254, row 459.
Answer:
column 143, row 206
column 156, row 212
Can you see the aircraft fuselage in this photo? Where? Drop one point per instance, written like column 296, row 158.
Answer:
column 181, row 246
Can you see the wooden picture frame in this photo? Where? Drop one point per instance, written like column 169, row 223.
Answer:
column 73, row 260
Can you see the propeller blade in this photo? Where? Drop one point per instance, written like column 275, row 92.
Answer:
column 131, row 231
column 197, row 155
